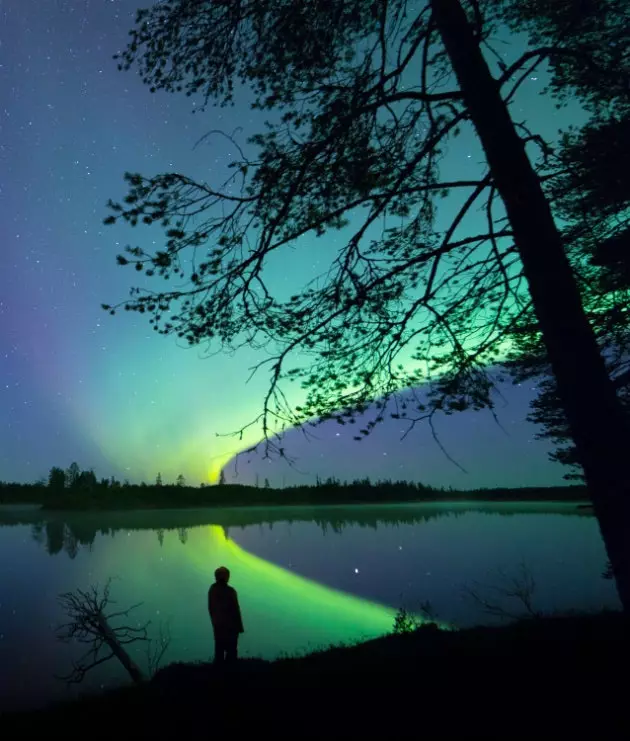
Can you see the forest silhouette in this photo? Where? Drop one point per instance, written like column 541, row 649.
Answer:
column 80, row 489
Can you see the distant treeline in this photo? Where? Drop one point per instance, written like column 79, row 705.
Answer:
column 76, row 489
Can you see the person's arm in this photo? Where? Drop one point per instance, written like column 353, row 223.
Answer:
column 237, row 608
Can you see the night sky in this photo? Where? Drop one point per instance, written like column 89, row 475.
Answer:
column 77, row 384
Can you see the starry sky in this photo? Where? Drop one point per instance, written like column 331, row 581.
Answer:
column 77, row 384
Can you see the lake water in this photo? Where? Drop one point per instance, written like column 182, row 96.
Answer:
column 306, row 576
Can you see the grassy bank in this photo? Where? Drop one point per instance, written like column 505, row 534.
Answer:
column 362, row 492
column 552, row 676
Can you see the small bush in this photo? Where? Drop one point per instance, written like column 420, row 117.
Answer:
column 405, row 622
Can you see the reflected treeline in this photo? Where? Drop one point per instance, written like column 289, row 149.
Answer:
column 57, row 536
column 71, row 531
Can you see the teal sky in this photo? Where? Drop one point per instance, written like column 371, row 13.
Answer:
column 77, row 384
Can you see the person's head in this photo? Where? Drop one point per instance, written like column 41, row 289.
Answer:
column 222, row 575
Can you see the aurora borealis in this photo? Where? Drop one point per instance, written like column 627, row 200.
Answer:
column 173, row 579
column 76, row 384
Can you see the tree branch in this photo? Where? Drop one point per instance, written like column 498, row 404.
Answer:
column 90, row 624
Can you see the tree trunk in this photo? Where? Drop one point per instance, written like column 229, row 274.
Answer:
column 119, row 652
column 598, row 424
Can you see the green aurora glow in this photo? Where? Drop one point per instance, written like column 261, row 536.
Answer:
column 280, row 608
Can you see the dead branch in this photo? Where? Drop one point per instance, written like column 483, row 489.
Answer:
column 519, row 589
column 89, row 624
column 157, row 648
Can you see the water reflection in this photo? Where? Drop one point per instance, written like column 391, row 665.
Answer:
column 71, row 531
column 306, row 576
column 169, row 570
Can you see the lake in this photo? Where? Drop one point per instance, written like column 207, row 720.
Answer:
column 306, row 576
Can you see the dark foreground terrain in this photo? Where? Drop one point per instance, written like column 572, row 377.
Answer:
column 544, row 678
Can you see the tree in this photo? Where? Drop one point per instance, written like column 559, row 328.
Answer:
column 222, row 478
column 56, row 478
column 181, row 481
column 519, row 588
column 266, row 484
column 591, row 194
column 90, row 624
column 158, row 479
column 87, row 480
column 598, row 233
column 367, row 97
column 72, row 475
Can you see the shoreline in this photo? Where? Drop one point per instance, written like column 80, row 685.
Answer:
column 250, row 497
column 494, row 674
column 26, row 507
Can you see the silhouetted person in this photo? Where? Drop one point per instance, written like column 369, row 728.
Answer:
column 225, row 615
